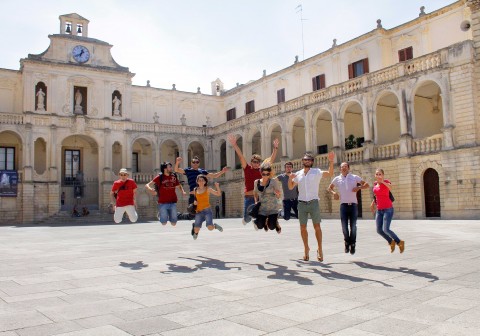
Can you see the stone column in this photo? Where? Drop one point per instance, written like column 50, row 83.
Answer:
column 309, row 143
column 289, row 144
column 52, row 159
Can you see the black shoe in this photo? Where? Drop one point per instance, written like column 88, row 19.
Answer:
column 193, row 231
column 352, row 249
column 347, row 248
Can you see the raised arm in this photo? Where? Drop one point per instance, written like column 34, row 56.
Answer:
column 233, row 141
column 274, row 151
column 177, row 168
column 216, row 192
column 218, row 174
column 331, row 158
column 363, row 185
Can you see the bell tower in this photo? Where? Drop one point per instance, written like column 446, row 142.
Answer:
column 73, row 24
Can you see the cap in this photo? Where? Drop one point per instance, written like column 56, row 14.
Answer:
column 123, row 171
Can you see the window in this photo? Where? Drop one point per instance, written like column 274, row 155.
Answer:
column 405, row 54
column 250, row 107
column 7, row 158
column 280, row 96
column 72, row 160
column 232, row 114
column 134, row 162
column 322, row 149
column 358, row 68
column 318, row 82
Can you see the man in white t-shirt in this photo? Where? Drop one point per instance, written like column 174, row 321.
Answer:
column 348, row 184
column 308, row 180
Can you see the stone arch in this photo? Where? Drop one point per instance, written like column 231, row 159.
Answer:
column 351, row 114
column 196, row 148
column 323, row 135
column 169, row 150
column 143, row 158
column 275, row 131
column 386, row 111
column 298, row 133
column 79, row 162
column 427, row 108
column 12, row 145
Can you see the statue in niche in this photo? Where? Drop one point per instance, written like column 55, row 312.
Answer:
column 183, row 120
column 78, row 102
column 116, row 106
column 155, row 118
column 40, row 100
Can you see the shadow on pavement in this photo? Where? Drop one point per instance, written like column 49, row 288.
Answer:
column 133, row 266
column 404, row 270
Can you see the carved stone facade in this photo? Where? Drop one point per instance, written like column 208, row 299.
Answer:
column 417, row 118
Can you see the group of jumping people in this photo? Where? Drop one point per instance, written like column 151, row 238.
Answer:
column 299, row 190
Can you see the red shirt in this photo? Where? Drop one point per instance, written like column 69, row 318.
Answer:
column 381, row 194
column 125, row 194
column 166, row 188
column 250, row 176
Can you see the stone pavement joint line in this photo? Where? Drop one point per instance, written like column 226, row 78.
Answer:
column 149, row 279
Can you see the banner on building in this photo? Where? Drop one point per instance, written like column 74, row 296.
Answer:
column 8, row 183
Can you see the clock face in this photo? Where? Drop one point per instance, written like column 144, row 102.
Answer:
column 80, row 54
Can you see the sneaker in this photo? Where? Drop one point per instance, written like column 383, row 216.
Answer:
column 392, row 246
column 255, row 225
column 195, row 236
column 281, row 213
column 352, row 249
column 218, row 227
column 347, row 248
column 401, row 246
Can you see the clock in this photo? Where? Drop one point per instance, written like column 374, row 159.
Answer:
column 80, row 54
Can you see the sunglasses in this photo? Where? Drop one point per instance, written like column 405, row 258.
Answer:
column 195, row 161
column 265, row 174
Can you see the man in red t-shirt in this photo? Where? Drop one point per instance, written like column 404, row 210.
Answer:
column 251, row 173
column 164, row 186
column 125, row 189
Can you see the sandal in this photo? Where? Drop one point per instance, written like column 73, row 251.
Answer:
column 278, row 228
column 319, row 256
column 306, row 257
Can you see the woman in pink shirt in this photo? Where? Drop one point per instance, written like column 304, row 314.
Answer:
column 383, row 218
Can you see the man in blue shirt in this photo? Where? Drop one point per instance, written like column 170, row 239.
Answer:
column 193, row 172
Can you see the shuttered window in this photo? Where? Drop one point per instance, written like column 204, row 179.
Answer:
column 250, row 107
column 231, row 114
column 358, row 68
column 405, row 54
column 280, row 96
column 318, row 82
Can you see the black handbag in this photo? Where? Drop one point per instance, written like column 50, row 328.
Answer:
column 254, row 209
column 192, row 207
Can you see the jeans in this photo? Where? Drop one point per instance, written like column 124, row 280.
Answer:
column 204, row 215
column 383, row 219
column 288, row 206
column 167, row 212
column 248, row 200
column 349, row 213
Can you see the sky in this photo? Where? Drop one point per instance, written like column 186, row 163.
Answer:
column 191, row 43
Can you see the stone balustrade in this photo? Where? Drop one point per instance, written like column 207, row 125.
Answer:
column 387, row 151
column 11, row 119
column 428, row 145
column 353, row 155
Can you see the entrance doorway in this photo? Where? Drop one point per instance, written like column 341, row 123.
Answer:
column 431, row 190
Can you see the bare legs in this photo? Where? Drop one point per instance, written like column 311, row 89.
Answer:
column 318, row 235
column 304, row 234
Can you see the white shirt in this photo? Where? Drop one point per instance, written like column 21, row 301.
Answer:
column 308, row 184
column 345, row 184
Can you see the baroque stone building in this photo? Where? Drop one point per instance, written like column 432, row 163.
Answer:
column 404, row 99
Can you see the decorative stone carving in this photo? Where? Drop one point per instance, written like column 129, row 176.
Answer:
column 78, row 102
column 40, row 100
column 116, row 106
